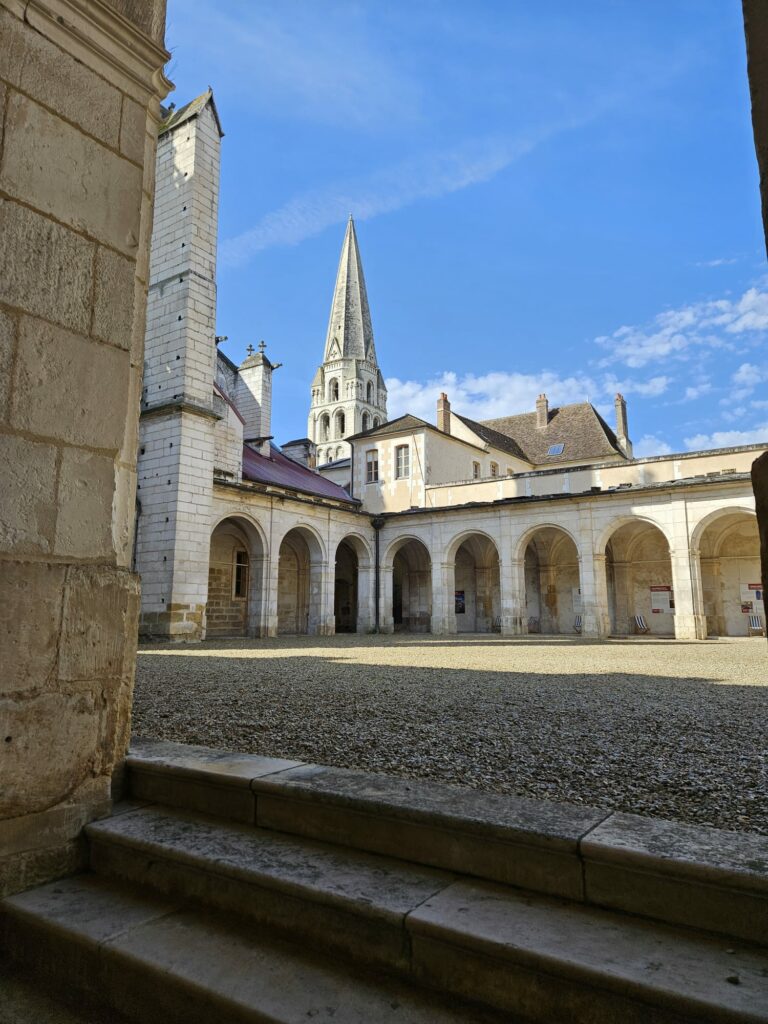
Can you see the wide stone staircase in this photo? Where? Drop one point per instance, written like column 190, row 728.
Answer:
column 232, row 888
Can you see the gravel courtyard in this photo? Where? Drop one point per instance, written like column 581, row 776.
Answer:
column 668, row 728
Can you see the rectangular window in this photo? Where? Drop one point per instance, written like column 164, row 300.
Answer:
column 475, row 470
column 510, row 471
column 402, row 461
column 372, row 466
column 240, row 583
column 494, row 469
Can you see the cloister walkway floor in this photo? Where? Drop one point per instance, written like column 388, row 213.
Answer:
column 668, row 728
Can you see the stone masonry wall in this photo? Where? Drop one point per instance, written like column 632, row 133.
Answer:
column 176, row 451
column 76, row 183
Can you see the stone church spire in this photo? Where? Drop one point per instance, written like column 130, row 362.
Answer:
column 348, row 391
column 350, row 334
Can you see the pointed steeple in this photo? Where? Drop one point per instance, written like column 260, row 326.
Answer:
column 350, row 334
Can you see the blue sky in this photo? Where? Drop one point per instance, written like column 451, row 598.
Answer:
column 549, row 196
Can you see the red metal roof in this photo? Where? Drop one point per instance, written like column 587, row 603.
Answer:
column 281, row 471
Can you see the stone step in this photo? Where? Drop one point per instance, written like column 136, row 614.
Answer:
column 535, row 956
column 353, row 902
column 682, row 874
column 152, row 960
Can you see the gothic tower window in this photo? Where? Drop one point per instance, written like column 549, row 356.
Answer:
column 340, row 424
column 333, row 391
column 325, row 427
column 369, row 393
column 375, row 422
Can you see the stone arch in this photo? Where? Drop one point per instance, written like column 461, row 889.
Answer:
column 639, row 576
column 550, row 558
column 369, row 393
column 476, row 582
column 411, row 593
column 526, row 537
column 365, row 422
column 339, row 423
column 325, row 427
column 300, row 578
column 333, row 389
column 376, row 422
column 615, row 524
column 727, row 545
column 236, row 578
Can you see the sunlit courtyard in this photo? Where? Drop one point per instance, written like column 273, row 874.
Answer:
column 674, row 729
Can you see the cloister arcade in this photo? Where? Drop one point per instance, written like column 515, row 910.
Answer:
column 552, row 582
column 683, row 577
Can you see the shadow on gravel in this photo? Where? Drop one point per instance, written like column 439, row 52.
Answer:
column 683, row 747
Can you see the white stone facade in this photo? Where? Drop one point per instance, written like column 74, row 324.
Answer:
column 447, row 530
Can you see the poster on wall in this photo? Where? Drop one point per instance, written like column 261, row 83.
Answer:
column 460, row 602
column 662, row 600
column 750, row 595
column 576, row 598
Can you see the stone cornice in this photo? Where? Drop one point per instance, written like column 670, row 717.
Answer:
column 105, row 41
column 179, row 406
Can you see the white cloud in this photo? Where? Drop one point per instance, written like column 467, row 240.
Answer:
column 713, row 324
column 428, row 176
column 649, row 444
column 696, row 391
column 722, row 262
column 504, row 394
column 728, row 438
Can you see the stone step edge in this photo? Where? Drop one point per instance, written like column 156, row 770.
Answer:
column 415, row 923
column 117, row 971
column 602, row 852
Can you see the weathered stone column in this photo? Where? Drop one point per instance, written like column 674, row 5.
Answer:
column 690, row 622
column 321, row 621
column 80, row 89
column 443, row 598
column 386, row 618
column 512, row 579
column 366, row 612
column 593, row 580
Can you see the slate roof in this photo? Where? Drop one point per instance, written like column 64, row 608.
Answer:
column 173, row 118
column 579, row 427
column 280, row 471
column 494, row 437
column 401, row 424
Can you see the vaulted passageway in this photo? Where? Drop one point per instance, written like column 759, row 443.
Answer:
column 235, row 580
column 477, row 586
column 729, row 556
column 639, row 579
column 552, row 582
column 299, row 582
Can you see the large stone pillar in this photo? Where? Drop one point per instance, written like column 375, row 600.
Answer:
column 366, row 609
column 593, row 580
column 444, row 598
column 386, row 618
column 690, row 621
column 321, row 583
column 512, row 579
column 81, row 96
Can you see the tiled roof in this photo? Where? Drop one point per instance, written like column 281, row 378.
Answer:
column 581, row 430
column 280, row 471
column 493, row 437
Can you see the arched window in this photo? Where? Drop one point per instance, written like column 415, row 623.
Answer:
column 369, row 393
column 333, row 391
column 340, row 424
column 325, row 427
column 366, row 419
column 339, row 452
column 375, row 422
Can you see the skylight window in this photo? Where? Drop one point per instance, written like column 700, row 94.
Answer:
column 556, row 449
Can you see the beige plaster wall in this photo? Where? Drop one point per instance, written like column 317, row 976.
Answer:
column 76, row 184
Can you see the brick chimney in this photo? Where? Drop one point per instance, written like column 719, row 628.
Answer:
column 542, row 411
column 622, row 433
column 444, row 414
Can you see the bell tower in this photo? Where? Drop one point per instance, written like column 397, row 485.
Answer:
column 348, row 391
